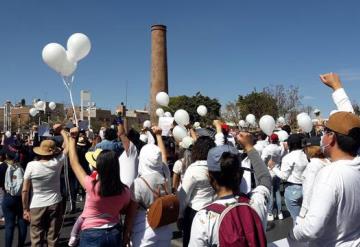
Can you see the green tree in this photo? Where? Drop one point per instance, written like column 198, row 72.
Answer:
column 257, row 103
column 190, row 104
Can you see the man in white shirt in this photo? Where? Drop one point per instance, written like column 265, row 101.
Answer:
column 334, row 210
column 273, row 152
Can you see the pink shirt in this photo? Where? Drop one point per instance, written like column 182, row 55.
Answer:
column 99, row 211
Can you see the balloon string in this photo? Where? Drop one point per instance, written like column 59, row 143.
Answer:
column 68, row 81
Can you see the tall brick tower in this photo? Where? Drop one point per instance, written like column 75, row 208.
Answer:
column 159, row 73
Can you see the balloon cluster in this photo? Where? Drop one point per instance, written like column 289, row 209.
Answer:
column 40, row 105
column 181, row 116
column 64, row 61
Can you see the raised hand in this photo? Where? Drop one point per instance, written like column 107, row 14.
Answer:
column 245, row 139
column 331, row 80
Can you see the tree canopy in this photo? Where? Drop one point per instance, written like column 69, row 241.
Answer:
column 190, row 104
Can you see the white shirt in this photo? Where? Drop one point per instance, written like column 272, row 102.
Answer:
column 179, row 168
column 272, row 152
column 129, row 165
column 260, row 145
column 204, row 230
column 342, row 101
column 292, row 166
column 45, row 180
column 333, row 218
column 245, row 184
column 195, row 191
column 309, row 175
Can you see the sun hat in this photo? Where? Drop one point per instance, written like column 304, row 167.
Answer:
column 47, row 148
column 92, row 156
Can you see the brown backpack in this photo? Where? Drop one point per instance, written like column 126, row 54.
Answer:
column 164, row 210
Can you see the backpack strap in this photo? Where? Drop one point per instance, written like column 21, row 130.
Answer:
column 156, row 194
column 216, row 208
column 243, row 199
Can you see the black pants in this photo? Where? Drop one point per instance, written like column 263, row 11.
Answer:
column 189, row 215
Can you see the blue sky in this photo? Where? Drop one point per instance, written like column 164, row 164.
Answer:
column 220, row 48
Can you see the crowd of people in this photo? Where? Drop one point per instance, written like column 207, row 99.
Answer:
column 219, row 189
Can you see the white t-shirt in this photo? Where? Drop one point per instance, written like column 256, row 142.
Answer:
column 179, row 168
column 129, row 165
column 45, row 180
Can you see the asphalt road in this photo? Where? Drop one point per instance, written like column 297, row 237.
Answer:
column 276, row 230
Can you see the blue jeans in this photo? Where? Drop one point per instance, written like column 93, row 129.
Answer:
column 293, row 199
column 12, row 208
column 101, row 237
column 275, row 193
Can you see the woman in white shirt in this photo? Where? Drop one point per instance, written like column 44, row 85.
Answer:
column 180, row 167
column 292, row 166
column 195, row 191
column 317, row 162
column 154, row 173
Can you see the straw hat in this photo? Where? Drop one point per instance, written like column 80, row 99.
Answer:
column 91, row 157
column 47, row 148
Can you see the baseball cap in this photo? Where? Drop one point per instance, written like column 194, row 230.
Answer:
column 274, row 137
column 214, row 155
column 312, row 141
column 343, row 122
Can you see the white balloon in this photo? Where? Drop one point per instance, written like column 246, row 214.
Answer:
column 54, row 55
column 283, row 135
column 267, row 124
column 182, row 117
column 250, row 118
column 242, row 123
column 179, row 133
column 79, row 46
column 167, row 114
column 202, row 110
column 8, row 134
column 281, row 120
column 52, row 106
column 40, row 104
column 33, row 112
column 305, row 123
column 69, row 66
column 162, row 99
column 147, row 124
column 186, row 142
column 301, row 114
column 160, row 112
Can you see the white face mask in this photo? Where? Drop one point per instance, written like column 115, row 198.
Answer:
column 322, row 146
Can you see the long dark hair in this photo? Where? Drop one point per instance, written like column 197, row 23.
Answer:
column 230, row 175
column 107, row 166
column 201, row 148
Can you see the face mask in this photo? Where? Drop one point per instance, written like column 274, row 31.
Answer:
column 322, row 146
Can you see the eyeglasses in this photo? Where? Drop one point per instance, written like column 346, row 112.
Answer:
column 328, row 131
